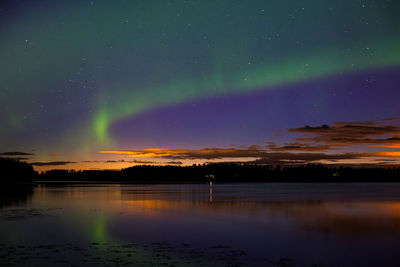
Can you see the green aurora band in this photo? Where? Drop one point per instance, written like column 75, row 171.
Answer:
column 319, row 64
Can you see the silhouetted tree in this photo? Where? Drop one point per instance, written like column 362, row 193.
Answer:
column 15, row 171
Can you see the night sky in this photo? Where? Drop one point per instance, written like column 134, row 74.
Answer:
column 110, row 84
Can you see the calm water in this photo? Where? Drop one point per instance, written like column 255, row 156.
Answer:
column 195, row 224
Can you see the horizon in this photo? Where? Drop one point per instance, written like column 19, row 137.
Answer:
column 353, row 144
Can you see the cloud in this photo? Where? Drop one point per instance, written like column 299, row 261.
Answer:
column 256, row 153
column 114, row 161
column 298, row 147
column 316, row 146
column 15, row 153
column 372, row 133
column 134, row 161
column 174, row 162
column 141, row 161
column 52, row 163
column 270, row 158
column 206, row 153
column 383, row 154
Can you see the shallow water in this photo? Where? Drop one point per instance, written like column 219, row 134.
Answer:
column 195, row 224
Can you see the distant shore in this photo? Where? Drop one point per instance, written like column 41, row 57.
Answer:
column 21, row 172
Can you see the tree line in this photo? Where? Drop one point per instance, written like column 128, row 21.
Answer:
column 18, row 171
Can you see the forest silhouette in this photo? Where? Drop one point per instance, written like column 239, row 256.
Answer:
column 15, row 171
column 17, row 178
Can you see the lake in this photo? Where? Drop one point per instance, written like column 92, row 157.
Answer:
column 268, row 224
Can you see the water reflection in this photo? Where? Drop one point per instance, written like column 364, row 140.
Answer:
column 310, row 223
column 357, row 215
column 15, row 195
column 211, row 192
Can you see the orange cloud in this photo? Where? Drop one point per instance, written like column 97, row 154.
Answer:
column 256, row 153
column 383, row 154
column 387, row 146
column 167, row 152
column 315, row 147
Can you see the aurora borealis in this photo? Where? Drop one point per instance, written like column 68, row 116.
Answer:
column 80, row 77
